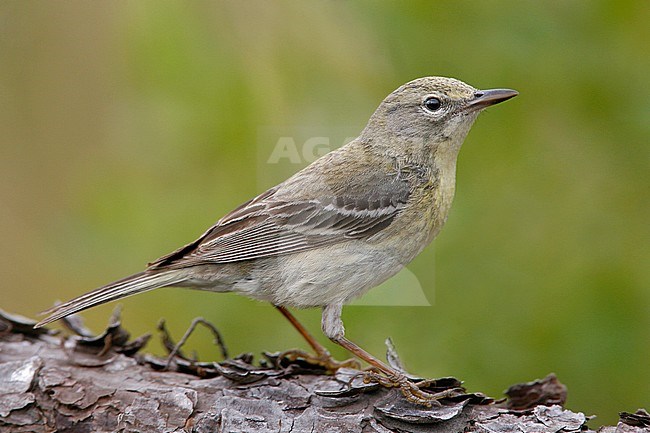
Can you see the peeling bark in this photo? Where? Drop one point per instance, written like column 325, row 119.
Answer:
column 47, row 385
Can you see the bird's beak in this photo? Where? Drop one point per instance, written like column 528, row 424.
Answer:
column 485, row 98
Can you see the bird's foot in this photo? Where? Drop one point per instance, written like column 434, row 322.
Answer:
column 323, row 359
column 410, row 389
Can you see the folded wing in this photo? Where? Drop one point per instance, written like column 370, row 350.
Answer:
column 268, row 226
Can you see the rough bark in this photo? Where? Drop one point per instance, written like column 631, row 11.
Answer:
column 99, row 384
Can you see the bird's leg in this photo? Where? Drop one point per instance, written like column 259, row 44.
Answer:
column 379, row 371
column 322, row 356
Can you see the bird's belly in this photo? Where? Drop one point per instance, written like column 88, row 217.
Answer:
column 320, row 277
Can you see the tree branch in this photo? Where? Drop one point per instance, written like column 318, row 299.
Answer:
column 100, row 384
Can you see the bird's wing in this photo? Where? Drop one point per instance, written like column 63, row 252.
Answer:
column 269, row 226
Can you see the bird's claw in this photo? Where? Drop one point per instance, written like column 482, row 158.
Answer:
column 411, row 390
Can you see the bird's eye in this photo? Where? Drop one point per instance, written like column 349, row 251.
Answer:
column 432, row 104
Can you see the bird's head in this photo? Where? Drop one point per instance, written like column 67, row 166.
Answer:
column 427, row 113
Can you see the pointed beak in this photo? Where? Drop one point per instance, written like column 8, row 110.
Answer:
column 485, row 98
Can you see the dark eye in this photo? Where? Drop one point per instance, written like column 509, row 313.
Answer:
column 432, row 104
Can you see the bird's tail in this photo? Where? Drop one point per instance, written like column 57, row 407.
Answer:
column 137, row 283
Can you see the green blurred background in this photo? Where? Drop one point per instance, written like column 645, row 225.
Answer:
column 127, row 128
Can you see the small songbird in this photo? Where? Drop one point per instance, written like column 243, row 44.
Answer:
column 337, row 228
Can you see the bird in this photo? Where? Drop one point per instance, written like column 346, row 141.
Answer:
column 344, row 224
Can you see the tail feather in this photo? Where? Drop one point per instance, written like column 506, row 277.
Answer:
column 137, row 283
